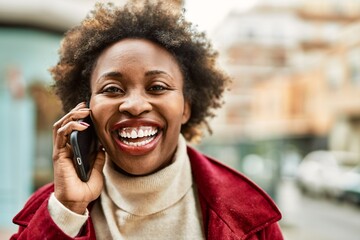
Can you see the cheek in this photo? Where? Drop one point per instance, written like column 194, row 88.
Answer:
column 101, row 113
column 175, row 113
column 100, row 106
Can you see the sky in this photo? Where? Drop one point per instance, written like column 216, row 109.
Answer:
column 207, row 14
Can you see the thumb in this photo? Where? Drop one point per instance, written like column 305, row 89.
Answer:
column 99, row 162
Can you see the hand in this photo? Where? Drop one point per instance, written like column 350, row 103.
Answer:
column 69, row 189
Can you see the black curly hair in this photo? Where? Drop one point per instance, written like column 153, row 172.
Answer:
column 204, row 83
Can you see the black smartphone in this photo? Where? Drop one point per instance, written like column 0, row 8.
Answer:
column 85, row 148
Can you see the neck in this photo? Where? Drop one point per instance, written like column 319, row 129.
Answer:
column 122, row 171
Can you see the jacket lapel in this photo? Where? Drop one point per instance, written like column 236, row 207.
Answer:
column 35, row 201
column 233, row 207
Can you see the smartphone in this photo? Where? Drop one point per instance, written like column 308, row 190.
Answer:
column 85, row 148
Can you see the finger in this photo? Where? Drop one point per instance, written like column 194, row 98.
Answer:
column 62, row 134
column 73, row 115
column 69, row 117
column 76, row 115
column 99, row 162
column 97, row 174
column 77, row 107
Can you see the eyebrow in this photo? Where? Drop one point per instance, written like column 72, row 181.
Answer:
column 156, row 72
column 111, row 74
column 119, row 75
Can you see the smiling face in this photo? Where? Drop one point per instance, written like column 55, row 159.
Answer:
column 138, row 105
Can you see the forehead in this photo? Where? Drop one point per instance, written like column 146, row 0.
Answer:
column 138, row 51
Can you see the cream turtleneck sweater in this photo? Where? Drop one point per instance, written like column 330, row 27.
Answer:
column 162, row 205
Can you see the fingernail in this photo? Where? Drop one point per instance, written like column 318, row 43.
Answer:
column 84, row 124
column 85, row 109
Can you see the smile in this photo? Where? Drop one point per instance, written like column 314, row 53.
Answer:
column 137, row 136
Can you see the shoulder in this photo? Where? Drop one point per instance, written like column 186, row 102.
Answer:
column 32, row 205
column 231, row 196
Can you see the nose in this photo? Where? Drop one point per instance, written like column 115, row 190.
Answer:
column 135, row 103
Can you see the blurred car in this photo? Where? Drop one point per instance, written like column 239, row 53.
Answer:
column 324, row 173
column 351, row 187
column 260, row 170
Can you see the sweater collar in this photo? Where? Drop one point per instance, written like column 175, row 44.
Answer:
column 153, row 193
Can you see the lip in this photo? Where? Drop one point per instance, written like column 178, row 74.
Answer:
column 135, row 123
column 136, row 150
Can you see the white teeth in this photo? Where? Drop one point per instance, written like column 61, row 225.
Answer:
column 137, row 132
column 138, row 144
column 140, row 132
column 133, row 134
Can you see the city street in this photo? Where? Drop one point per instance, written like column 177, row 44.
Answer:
column 308, row 218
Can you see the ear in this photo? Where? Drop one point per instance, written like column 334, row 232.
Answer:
column 186, row 112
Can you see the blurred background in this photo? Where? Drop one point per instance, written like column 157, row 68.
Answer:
column 291, row 119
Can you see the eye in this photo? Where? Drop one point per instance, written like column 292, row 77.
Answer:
column 113, row 90
column 157, row 88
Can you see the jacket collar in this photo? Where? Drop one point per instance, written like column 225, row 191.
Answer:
column 233, row 198
column 33, row 204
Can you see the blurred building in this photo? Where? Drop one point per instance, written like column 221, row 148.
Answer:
column 295, row 68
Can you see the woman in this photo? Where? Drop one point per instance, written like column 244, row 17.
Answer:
column 151, row 83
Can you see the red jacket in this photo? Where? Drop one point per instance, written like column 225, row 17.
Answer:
column 232, row 207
